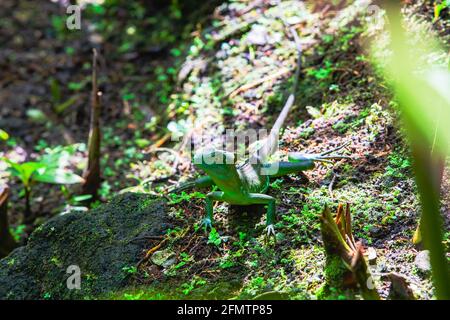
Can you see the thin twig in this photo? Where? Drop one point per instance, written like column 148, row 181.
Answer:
column 330, row 187
column 151, row 251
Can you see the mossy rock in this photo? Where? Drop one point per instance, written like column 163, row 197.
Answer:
column 103, row 243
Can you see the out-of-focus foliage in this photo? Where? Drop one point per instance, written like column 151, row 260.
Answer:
column 424, row 103
column 4, row 135
column 439, row 6
column 50, row 168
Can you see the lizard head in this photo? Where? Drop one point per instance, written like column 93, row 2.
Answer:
column 216, row 163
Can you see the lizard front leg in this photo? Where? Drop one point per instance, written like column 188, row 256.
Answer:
column 210, row 197
column 259, row 198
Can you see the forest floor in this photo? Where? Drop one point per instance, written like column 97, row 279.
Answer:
column 200, row 79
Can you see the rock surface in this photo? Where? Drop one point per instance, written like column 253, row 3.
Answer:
column 164, row 258
column 104, row 243
column 422, row 261
column 372, row 255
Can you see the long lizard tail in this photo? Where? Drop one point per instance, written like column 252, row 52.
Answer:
column 290, row 101
column 272, row 140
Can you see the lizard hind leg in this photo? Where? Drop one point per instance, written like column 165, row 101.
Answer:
column 259, row 198
column 210, row 197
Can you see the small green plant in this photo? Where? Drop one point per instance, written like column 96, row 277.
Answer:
column 18, row 232
column 131, row 296
column 130, row 270
column 322, row 73
column 255, row 286
column 214, row 237
column 397, row 165
column 178, row 198
column 51, row 168
column 47, row 296
column 185, row 259
column 276, row 184
column 187, row 288
column 226, row 262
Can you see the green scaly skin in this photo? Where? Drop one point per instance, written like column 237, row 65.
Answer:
column 246, row 184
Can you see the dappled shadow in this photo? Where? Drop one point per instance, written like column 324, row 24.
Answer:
column 45, row 83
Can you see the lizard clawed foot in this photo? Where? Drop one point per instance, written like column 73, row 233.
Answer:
column 270, row 233
column 206, row 224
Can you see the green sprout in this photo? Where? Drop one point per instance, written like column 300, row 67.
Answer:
column 50, row 168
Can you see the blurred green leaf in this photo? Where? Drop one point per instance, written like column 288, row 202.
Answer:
column 60, row 108
column 142, row 143
column 424, row 101
column 58, row 157
column 76, row 86
column 57, row 176
column 98, row 9
column 36, row 115
column 82, row 197
column 4, row 135
column 129, row 96
column 51, row 168
column 24, row 171
column 55, row 90
column 439, row 7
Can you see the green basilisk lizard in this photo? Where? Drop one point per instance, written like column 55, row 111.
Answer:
column 246, row 184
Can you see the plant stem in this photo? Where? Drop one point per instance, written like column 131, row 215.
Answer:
column 7, row 243
column 29, row 217
column 92, row 173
